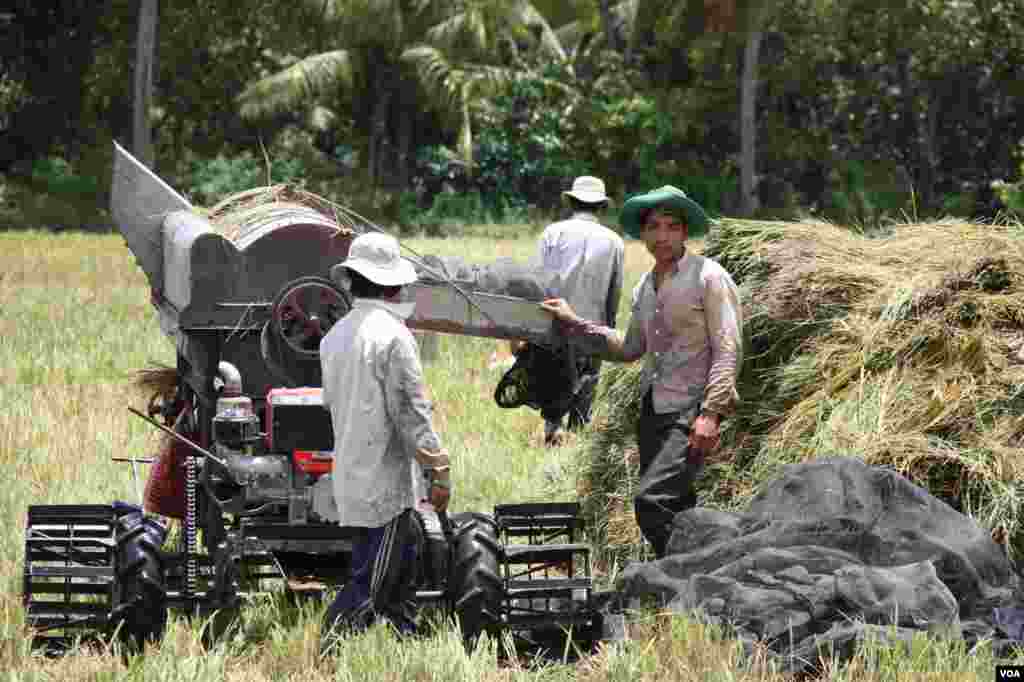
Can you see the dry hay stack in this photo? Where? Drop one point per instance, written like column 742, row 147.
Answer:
column 905, row 350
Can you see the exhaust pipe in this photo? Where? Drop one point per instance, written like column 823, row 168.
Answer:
column 231, row 377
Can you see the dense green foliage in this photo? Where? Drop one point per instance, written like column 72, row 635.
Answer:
column 864, row 111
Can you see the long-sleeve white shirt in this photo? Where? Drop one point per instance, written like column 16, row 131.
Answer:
column 586, row 260
column 373, row 387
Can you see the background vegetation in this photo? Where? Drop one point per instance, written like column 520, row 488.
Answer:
column 481, row 109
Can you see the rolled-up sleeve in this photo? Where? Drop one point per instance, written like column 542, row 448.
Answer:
column 593, row 338
column 406, row 399
column 725, row 335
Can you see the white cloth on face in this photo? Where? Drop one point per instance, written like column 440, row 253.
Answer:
column 373, row 387
column 586, row 260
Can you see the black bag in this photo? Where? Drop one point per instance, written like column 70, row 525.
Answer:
column 541, row 378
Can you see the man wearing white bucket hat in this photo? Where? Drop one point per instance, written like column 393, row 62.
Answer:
column 586, row 260
column 383, row 437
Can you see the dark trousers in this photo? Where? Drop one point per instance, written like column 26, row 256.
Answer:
column 667, row 474
column 385, row 563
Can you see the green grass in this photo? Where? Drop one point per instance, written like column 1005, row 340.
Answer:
column 76, row 324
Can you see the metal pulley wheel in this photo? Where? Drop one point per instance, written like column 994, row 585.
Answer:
column 305, row 310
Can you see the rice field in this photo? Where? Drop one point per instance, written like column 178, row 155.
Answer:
column 75, row 326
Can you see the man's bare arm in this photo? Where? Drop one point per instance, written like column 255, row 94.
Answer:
column 595, row 339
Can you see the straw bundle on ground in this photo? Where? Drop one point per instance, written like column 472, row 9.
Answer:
column 905, row 350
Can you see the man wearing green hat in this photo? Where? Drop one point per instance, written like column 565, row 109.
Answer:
column 687, row 326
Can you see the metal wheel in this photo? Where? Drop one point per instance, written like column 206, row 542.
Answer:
column 476, row 587
column 68, row 572
column 227, row 616
column 304, row 311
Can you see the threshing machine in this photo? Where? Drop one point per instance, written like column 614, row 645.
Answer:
column 246, row 305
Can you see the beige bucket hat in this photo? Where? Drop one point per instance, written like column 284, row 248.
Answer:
column 588, row 189
column 375, row 256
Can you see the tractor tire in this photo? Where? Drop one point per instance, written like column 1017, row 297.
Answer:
column 435, row 557
column 477, row 590
column 140, row 612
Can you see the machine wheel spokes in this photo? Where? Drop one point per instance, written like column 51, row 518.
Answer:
column 305, row 310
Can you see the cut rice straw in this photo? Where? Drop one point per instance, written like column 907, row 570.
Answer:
column 906, row 351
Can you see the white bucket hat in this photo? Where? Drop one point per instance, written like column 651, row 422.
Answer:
column 375, row 256
column 587, row 189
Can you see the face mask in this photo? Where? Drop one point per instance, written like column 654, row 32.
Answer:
column 406, row 304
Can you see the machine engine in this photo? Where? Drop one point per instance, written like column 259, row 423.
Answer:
column 284, row 470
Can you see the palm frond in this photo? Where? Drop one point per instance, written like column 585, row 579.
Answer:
column 571, row 34
column 449, row 83
column 480, row 24
column 297, row 85
column 321, row 118
column 529, row 16
column 446, row 32
column 370, row 23
column 453, row 87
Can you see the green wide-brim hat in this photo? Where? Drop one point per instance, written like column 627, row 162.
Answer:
column 664, row 197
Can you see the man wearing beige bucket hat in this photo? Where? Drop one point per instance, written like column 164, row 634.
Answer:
column 687, row 326
column 585, row 259
column 383, row 438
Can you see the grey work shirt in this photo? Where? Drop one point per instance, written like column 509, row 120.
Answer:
column 586, row 260
column 689, row 333
column 373, row 387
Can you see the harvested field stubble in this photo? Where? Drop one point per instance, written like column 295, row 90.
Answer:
column 905, row 350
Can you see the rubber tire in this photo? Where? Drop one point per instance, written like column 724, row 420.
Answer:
column 140, row 614
column 478, row 592
column 435, row 557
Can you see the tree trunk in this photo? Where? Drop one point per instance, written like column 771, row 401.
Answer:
column 929, row 155
column 406, row 112
column 378, row 127
column 611, row 36
column 145, row 49
column 748, row 125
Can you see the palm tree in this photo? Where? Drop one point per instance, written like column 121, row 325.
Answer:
column 691, row 19
column 145, row 48
column 395, row 60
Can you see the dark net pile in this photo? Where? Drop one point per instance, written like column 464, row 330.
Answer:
column 828, row 554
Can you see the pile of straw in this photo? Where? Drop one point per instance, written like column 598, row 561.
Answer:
column 905, row 350
column 234, row 216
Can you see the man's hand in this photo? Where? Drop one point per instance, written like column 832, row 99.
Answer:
column 561, row 310
column 439, row 498
column 704, row 434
